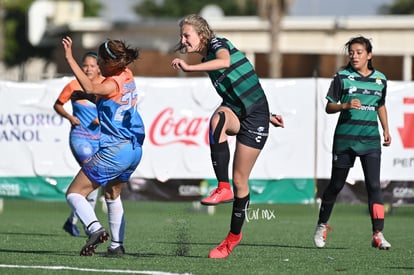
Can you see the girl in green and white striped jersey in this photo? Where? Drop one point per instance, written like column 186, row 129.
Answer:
column 358, row 92
column 244, row 112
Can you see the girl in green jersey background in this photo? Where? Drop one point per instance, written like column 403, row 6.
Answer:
column 358, row 92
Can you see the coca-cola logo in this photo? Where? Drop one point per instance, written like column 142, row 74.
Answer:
column 167, row 129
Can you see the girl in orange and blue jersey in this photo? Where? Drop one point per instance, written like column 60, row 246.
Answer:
column 85, row 130
column 120, row 151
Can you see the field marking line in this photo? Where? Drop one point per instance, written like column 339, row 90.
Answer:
column 91, row 269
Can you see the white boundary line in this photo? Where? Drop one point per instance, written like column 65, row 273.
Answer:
column 91, row 269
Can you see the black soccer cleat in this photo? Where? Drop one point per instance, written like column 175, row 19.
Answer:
column 116, row 252
column 95, row 238
column 72, row 229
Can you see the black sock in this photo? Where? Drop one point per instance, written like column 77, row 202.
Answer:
column 240, row 206
column 220, row 157
column 325, row 211
column 377, row 225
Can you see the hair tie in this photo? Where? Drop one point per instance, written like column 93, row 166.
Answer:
column 111, row 54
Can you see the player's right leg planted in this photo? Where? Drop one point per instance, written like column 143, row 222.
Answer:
column 116, row 222
column 238, row 215
column 225, row 248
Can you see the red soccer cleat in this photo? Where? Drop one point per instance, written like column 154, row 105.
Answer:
column 226, row 246
column 219, row 195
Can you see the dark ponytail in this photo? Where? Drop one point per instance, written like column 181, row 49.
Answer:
column 118, row 54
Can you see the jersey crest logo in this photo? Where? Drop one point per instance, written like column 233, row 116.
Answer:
column 352, row 89
column 378, row 80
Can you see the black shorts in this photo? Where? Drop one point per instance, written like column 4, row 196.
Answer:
column 346, row 159
column 254, row 128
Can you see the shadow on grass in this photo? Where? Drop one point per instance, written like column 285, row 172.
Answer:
column 97, row 254
column 147, row 255
column 40, row 252
column 261, row 245
column 30, row 234
column 152, row 255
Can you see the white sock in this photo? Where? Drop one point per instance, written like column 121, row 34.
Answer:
column 84, row 211
column 93, row 197
column 116, row 221
column 73, row 218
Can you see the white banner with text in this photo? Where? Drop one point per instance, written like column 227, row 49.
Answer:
column 176, row 112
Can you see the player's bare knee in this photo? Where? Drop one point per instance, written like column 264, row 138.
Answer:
column 216, row 125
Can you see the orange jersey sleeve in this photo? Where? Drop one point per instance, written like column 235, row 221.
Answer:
column 67, row 91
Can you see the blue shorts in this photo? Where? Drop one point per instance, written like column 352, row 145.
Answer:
column 83, row 148
column 113, row 162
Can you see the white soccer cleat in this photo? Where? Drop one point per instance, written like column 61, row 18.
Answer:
column 321, row 232
column 378, row 241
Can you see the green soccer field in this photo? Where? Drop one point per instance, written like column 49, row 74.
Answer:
column 175, row 238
